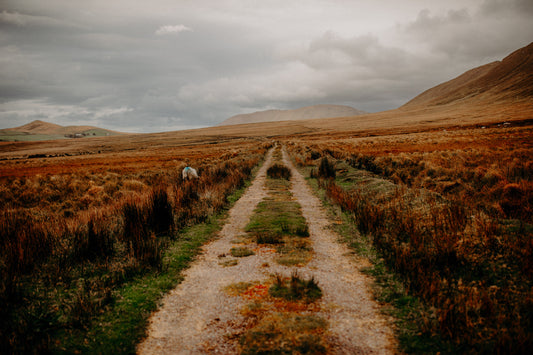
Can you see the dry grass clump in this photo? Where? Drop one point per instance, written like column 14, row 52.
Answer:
column 455, row 225
column 295, row 288
column 87, row 232
column 240, row 252
column 281, row 316
column 286, row 333
column 326, row 169
column 278, row 171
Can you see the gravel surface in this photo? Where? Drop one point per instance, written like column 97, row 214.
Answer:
column 200, row 317
column 356, row 324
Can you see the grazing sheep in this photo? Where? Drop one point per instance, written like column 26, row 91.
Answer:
column 189, row 173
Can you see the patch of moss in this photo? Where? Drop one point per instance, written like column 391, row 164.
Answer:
column 241, row 252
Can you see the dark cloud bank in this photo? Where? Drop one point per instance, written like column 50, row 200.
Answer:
column 176, row 65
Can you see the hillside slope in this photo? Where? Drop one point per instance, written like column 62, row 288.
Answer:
column 510, row 79
column 37, row 127
column 41, row 130
column 304, row 113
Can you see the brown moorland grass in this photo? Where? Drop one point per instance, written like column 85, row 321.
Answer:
column 450, row 212
column 81, row 228
column 487, row 168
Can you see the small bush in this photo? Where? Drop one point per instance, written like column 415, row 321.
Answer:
column 241, row 252
column 93, row 241
column 278, row 171
column 268, row 237
column 326, row 169
column 161, row 215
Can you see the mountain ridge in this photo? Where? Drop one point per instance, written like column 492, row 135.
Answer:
column 302, row 113
column 510, row 78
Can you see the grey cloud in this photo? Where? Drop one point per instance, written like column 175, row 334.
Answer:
column 509, row 7
column 481, row 35
column 360, row 71
column 17, row 19
column 172, row 65
column 363, row 54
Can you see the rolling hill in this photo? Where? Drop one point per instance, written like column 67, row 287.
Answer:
column 304, row 113
column 509, row 79
column 41, row 130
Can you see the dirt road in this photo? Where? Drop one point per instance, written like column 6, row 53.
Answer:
column 200, row 317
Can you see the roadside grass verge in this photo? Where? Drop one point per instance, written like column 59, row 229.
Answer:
column 464, row 276
column 121, row 326
column 123, row 322
column 415, row 320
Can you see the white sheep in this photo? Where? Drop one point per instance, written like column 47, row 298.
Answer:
column 189, row 173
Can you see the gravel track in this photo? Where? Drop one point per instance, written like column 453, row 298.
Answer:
column 199, row 317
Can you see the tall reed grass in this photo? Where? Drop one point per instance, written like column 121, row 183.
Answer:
column 68, row 240
column 452, row 231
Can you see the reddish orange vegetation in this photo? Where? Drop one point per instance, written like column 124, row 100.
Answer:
column 278, row 325
column 102, row 217
column 476, row 166
column 454, row 221
column 256, row 292
column 118, row 161
column 260, row 293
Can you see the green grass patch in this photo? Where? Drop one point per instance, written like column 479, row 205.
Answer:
column 241, row 252
column 239, row 287
column 295, row 288
column 278, row 218
column 294, row 258
column 16, row 136
column 295, row 251
column 228, row 263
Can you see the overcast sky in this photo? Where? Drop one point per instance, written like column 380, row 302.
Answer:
column 164, row 65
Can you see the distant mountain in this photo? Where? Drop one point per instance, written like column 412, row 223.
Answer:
column 41, row 130
column 37, row 127
column 304, row 113
column 509, row 79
